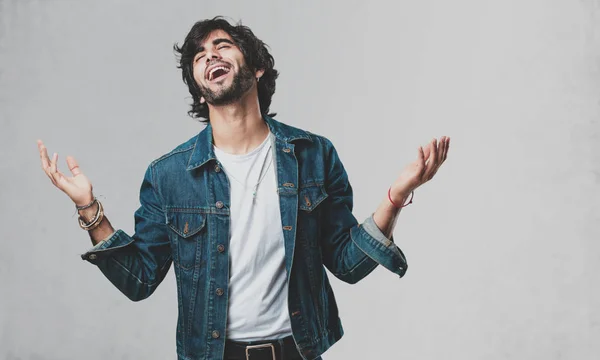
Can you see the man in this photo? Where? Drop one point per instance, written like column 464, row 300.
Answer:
column 250, row 211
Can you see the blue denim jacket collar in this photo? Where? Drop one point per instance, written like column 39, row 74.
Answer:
column 203, row 149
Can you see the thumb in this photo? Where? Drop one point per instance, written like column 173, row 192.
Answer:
column 73, row 166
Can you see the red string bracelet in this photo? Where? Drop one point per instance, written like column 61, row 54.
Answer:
column 412, row 194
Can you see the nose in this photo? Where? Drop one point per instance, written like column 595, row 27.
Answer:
column 211, row 55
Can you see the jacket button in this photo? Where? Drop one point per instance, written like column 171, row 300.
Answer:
column 215, row 334
column 220, row 248
column 219, row 292
column 217, row 168
column 307, row 201
column 93, row 256
column 219, row 204
column 286, row 150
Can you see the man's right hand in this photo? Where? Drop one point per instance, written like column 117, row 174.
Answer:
column 78, row 187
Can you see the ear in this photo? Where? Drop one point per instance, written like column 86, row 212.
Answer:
column 202, row 100
column 259, row 74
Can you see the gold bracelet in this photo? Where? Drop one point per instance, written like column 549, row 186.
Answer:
column 95, row 221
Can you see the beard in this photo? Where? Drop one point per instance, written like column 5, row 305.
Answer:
column 242, row 82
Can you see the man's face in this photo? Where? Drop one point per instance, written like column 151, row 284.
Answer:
column 220, row 70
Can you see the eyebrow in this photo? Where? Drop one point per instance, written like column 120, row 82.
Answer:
column 215, row 43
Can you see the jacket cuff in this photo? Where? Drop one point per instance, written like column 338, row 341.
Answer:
column 377, row 246
column 104, row 248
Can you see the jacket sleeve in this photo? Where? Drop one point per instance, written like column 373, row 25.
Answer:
column 351, row 250
column 137, row 264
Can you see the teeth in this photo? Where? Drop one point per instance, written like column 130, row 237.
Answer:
column 212, row 71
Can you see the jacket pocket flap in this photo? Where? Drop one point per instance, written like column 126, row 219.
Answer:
column 185, row 223
column 311, row 196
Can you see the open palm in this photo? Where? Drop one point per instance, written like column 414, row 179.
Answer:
column 78, row 187
column 422, row 169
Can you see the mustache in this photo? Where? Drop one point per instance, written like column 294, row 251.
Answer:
column 217, row 62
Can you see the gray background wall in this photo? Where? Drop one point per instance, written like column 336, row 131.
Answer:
column 502, row 245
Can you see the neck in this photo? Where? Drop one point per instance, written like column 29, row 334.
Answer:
column 238, row 128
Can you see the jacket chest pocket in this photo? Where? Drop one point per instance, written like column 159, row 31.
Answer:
column 309, row 219
column 189, row 234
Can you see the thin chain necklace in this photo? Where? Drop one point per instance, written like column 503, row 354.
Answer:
column 261, row 174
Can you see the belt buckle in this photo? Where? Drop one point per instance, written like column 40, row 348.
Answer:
column 250, row 347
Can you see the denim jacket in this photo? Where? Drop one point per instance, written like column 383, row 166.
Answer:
column 184, row 220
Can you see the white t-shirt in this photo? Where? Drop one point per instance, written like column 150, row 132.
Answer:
column 258, row 288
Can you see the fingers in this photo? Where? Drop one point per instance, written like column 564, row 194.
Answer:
column 53, row 163
column 46, row 162
column 440, row 150
column 421, row 162
column 73, row 166
column 52, row 169
column 433, row 160
column 437, row 155
column 50, row 166
column 427, row 151
column 43, row 155
column 421, row 155
column 446, row 149
column 444, row 145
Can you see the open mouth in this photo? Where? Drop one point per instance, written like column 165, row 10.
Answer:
column 218, row 72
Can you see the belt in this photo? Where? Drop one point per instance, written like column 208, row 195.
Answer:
column 261, row 350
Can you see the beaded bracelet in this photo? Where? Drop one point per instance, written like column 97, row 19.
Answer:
column 86, row 206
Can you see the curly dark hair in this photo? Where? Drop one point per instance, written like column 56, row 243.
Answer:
column 255, row 53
